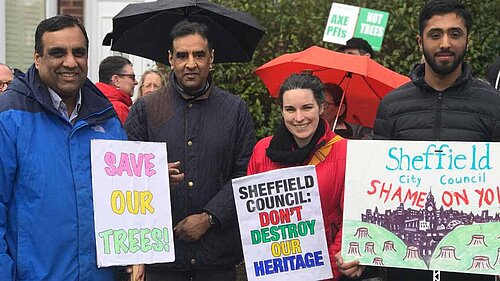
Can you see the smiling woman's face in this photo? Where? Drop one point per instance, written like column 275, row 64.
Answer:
column 301, row 113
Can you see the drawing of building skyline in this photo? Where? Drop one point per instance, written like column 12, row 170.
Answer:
column 424, row 228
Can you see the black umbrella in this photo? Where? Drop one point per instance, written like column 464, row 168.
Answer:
column 143, row 29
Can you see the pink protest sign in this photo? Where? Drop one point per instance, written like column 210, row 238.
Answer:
column 133, row 223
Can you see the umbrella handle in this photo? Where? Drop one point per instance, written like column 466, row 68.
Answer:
column 107, row 39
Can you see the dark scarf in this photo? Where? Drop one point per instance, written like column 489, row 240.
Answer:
column 195, row 93
column 283, row 148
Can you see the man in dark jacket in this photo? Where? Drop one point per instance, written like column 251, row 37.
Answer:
column 210, row 131
column 443, row 102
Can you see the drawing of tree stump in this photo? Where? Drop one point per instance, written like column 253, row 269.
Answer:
column 370, row 248
column 354, row 249
column 497, row 262
column 378, row 261
column 362, row 232
column 480, row 263
column 389, row 246
column 412, row 253
column 477, row 240
column 447, row 253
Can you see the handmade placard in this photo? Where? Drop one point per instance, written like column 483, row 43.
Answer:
column 133, row 221
column 281, row 225
column 423, row 205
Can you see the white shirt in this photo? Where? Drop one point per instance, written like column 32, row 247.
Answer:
column 63, row 109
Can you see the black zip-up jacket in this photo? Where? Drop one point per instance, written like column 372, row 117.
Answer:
column 469, row 110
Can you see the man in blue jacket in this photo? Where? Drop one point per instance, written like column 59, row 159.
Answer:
column 47, row 118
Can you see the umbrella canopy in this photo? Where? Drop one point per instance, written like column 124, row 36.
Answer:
column 143, row 29
column 364, row 81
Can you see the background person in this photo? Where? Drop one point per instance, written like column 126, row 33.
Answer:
column 48, row 118
column 210, row 132
column 333, row 108
column 468, row 107
column 296, row 142
column 6, row 77
column 117, row 82
column 151, row 80
column 358, row 47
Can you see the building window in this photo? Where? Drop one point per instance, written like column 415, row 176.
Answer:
column 22, row 17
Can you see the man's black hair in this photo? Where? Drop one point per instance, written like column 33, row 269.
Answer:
column 441, row 7
column 54, row 24
column 184, row 28
column 110, row 66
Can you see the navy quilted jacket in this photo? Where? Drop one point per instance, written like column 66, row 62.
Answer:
column 213, row 137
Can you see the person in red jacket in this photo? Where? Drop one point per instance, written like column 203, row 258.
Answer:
column 304, row 138
column 117, row 82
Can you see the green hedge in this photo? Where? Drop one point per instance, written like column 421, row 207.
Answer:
column 296, row 25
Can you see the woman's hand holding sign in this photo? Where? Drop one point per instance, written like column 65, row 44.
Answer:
column 350, row 269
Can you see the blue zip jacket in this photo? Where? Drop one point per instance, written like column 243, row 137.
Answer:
column 46, row 208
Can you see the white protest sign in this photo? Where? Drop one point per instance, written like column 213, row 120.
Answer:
column 341, row 23
column 346, row 21
column 133, row 223
column 281, row 225
column 423, row 205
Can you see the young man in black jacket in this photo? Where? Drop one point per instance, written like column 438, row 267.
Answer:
column 443, row 102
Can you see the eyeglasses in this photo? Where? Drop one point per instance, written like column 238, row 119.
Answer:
column 4, row 84
column 328, row 104
column 132, row 76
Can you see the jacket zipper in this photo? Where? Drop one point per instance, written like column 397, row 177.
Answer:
column 80, row 123
column 437, row 124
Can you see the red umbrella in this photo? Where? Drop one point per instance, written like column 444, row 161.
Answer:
column 365, row 82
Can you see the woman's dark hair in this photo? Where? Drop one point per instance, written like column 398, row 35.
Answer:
column 303, row 81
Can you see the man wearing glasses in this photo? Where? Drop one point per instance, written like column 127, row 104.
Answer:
column 334, row 113
column 6, row 76
column 117, row 82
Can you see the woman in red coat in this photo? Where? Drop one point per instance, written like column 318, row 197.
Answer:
column 304, row 138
